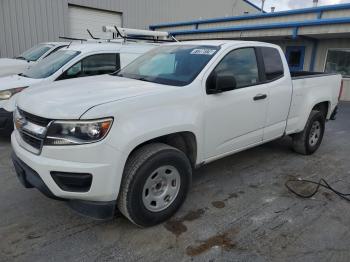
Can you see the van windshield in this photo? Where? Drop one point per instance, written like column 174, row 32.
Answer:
column 34, row 53
column 176, row 65
column 49, row 65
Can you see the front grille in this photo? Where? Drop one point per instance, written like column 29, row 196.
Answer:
column 35, row 119
column 31, row 140
column 29, row 136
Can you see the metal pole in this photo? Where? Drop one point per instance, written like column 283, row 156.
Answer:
column 262, row 6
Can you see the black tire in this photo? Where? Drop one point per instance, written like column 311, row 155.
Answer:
column 139, row 167
column 301, row 141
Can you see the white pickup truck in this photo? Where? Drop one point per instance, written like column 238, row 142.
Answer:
column 131, row 140
column 19, row 64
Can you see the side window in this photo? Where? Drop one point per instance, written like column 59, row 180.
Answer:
column 93, row 65
column 242, row 65
column 99, row 64
column 273, row 63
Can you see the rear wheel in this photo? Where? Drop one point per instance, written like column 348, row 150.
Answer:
column 309, row 140
column 155, row 183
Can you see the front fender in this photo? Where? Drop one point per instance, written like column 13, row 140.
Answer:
column 142, row 119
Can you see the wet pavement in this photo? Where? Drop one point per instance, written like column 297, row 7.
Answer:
column 238, row 210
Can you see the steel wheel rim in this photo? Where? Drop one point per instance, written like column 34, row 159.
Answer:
column 161, row 188
column 315, row 133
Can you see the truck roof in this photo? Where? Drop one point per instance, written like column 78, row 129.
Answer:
column 219, row 42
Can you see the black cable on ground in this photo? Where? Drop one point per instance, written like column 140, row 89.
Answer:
column 322, row 183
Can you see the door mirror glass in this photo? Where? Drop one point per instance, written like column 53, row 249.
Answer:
column 221, row 82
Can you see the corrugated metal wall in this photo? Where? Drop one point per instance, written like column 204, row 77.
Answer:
column 23, row 23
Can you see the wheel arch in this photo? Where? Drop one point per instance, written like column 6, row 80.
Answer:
column 185, row 141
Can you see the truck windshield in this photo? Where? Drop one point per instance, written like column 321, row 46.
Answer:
column 49, row 65
column 34, row 53
column 176, row 65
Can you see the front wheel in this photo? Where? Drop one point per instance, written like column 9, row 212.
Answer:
column 309, row 140
column 155, row 183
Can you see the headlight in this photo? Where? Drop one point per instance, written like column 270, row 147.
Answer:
column 77, row 132
column 7, row 94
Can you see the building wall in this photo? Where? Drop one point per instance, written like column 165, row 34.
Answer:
column 24, row 23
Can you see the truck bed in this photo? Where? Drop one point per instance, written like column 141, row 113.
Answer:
column 310, row 88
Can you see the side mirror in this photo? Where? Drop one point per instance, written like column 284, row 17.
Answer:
column 221, row 82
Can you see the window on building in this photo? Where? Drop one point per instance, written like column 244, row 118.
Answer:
column 242, row 64
column 338, row 61
column 295, row 57
column 273, row 63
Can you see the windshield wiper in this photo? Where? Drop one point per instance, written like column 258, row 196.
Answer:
column 22, row 58
column 143, row 79
column 23, row 75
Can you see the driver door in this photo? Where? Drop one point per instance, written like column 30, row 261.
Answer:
column 235, row 119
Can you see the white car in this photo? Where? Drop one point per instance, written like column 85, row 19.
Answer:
column 130, row 140
column 77, row 60
column 17, row 65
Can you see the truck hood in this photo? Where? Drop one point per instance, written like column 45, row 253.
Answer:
column 9, row 66
column 15, row 81
column 70, row 99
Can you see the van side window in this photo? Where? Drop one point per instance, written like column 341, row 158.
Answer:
column 242, row 64
column 273, row 63
column 93, row 65
column 99, row 64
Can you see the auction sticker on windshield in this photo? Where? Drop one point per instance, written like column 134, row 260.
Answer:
column 203, row 51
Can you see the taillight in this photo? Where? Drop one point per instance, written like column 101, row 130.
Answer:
column 341, row 89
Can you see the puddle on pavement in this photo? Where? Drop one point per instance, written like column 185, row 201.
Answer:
column 177, row 226
column 218, row 204
column 223, row 241
column 221, row 204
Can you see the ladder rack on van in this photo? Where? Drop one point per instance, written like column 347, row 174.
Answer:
column 138, row 34
column 126, row 34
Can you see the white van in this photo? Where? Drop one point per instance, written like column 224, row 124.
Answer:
column 17, row 65
column 76, row 60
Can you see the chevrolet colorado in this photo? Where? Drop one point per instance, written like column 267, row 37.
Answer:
column 130, row 140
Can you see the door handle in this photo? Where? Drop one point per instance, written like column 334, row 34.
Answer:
column 260, row 97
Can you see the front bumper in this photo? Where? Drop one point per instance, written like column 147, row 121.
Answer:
column 6, row 122
column 102, row 161
column 30, row 179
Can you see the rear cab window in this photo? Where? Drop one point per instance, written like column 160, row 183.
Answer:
column 273, row 64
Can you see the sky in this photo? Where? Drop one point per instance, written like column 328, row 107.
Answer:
column 295, row 4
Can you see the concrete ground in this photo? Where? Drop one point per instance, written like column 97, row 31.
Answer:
column 238, row 210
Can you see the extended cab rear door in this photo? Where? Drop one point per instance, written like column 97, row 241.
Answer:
column 235, row 119
column 277, row 76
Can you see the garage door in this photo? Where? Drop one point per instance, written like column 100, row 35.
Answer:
column 82, row 18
